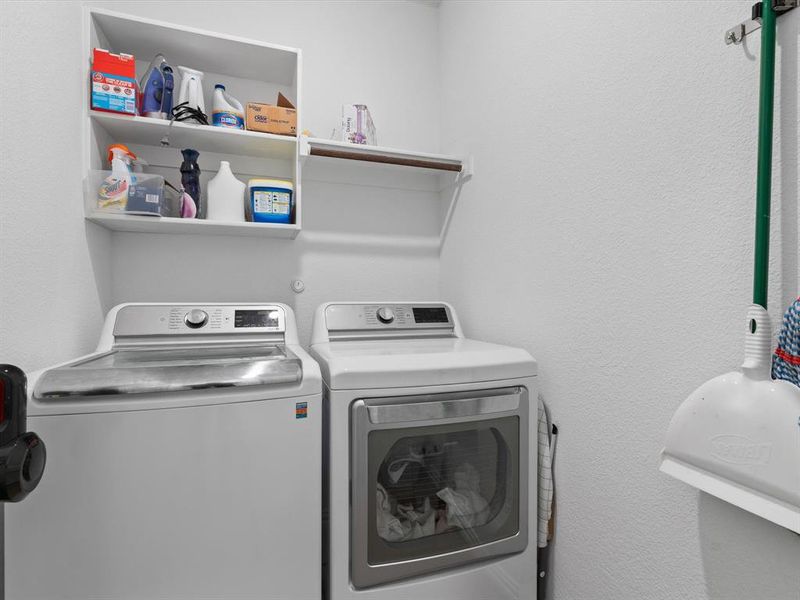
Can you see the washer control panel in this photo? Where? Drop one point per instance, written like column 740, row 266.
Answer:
column 354, row 317
column 176, row 319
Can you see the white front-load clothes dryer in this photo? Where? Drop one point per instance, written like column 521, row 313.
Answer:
column 430, row 460
column 184, row 461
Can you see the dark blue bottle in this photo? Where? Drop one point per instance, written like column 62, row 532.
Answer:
column 190, row 179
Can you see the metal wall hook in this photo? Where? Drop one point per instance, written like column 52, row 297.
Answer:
column 736, row 35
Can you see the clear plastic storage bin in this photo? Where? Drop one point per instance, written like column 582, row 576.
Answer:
column 147, row 195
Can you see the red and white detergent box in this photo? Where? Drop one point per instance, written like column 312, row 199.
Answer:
column 113, row 82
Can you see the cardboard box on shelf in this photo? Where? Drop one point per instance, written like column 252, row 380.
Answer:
column 280, row 118
column 113, row 82
column 357, row 125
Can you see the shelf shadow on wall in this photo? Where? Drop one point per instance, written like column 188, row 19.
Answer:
column 196, row 268
column 349, row 218
column 98, row 243
column 348, row 243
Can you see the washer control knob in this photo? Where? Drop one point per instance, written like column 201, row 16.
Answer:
column 385, row 314
column 195, row 318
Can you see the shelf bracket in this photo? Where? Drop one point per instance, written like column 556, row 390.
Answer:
column 468, row 167
column 465, row 175
column 303, row 147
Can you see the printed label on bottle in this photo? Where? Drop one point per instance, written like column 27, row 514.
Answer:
column 227, row 119
column 113, row 192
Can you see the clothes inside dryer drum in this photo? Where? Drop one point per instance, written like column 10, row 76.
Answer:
column 170, row 369
column 428, row 484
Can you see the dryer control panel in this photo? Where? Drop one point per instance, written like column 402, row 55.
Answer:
column 370, row 317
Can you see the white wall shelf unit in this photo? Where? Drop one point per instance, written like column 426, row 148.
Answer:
column 251, row 70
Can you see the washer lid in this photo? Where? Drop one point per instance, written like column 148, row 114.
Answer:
column 141, row 369
column 419, row 362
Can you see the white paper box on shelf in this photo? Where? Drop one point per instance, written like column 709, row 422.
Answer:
column 357, row 125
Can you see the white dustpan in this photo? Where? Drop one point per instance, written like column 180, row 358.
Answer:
column 737, row 436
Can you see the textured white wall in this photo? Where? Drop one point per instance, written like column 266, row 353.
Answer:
column 59, row 274
column 608, row 230
column 354, row 239
column 53, row 284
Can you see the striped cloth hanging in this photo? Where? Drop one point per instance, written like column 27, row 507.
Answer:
column 545, row 478
column 786, row 360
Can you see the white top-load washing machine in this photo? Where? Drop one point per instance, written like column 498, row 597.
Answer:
column 431, row 457
column 184, row 461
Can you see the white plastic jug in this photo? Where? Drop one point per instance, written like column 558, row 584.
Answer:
column 225, row 196
column 228, row 111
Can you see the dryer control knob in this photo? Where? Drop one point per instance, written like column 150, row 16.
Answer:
column 385, row 314
column 195, row 318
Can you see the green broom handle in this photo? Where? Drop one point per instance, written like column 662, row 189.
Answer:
column 764, row 178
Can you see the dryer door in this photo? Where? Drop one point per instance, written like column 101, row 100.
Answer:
column 437, row 481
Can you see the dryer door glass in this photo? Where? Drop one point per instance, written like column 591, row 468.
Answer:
column 446, row 480
column 454, row 483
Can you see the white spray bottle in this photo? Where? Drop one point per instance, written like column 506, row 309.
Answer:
column 115, row 188
column 191, row 90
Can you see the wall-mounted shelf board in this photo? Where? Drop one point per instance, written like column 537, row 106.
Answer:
column 142, row 224
column 149, row 132
column 316, row 147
